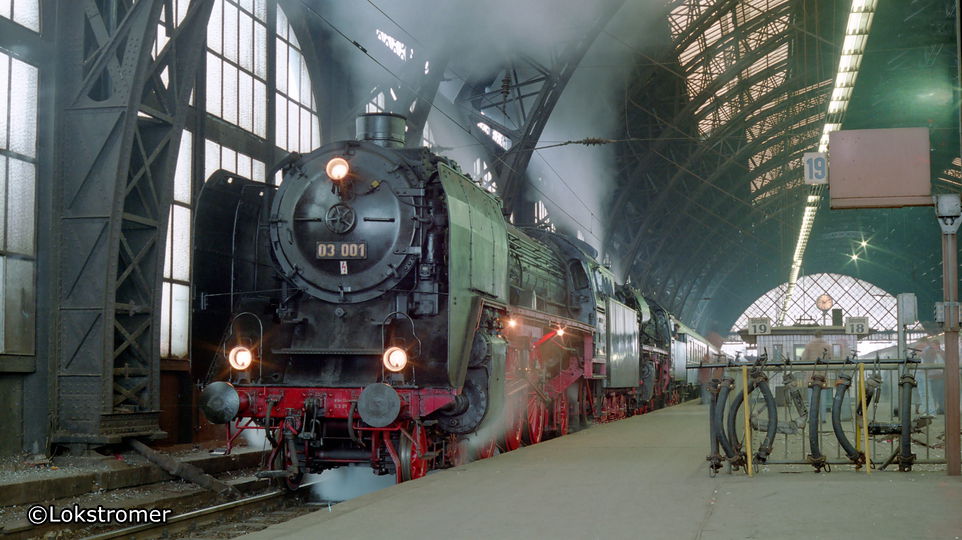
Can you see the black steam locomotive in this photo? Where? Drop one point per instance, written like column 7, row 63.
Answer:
column 395, row 317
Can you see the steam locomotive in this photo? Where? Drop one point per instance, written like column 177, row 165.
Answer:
column 407, row 324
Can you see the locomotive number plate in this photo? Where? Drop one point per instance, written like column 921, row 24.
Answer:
column 342, row 250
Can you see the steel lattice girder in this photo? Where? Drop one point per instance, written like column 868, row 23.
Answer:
column 510, row 166
column 698, row 153
column 686, row 113
column 729, row 160
column 117, row 185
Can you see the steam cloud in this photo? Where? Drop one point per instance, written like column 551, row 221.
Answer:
column 345, row 483
column 480, row 38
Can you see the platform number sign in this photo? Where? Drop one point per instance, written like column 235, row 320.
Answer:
column 856, row 325
column 815, row 165
column 759, row 326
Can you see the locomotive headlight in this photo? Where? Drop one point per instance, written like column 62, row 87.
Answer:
column 337, row 169
column 395, row 358
column 240, row 358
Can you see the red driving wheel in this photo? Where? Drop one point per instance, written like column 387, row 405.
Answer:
column 514, row 425
column 537, row 416
column 562, row 412
column 487, row 450
column 414, row 464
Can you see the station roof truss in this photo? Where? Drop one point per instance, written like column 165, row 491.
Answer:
column 710, row 187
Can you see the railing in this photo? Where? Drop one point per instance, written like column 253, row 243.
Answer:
column 792, row 446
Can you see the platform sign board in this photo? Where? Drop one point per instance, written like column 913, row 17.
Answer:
column 815, row 166
column 856, row 325
column 907, row 308
column 880, row 168
column 759, row 326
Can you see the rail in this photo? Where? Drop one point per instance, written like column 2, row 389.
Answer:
column 190, row 520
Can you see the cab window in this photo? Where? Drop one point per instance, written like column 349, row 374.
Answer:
column 578, row 276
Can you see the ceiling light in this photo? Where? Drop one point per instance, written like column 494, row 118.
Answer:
column 853, row 46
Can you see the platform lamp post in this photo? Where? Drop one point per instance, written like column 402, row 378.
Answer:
column 948, row 208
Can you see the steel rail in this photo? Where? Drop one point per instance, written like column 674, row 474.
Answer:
column 182, row 521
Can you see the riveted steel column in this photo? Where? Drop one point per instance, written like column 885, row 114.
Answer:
column 948, row 210
column 950, row 280
column 121, row 115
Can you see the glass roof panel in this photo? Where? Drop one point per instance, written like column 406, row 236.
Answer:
column 855, row 297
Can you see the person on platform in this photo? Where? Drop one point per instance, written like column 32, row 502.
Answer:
column 931, row 353
column 706, row 374
column 817, row 349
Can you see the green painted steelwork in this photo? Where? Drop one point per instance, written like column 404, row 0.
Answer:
column 477, row 262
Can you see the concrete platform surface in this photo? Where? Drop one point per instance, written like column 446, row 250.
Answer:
column 644, row 477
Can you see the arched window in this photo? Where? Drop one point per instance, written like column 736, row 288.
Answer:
column 856, row 298
column 298, row 128
column 237, row 138
column 237, row 64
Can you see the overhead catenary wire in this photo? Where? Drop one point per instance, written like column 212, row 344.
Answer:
column 415, row 91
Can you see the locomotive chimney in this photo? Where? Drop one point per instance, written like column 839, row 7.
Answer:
column 383, row 129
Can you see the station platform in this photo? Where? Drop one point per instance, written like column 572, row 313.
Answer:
column 643, row 477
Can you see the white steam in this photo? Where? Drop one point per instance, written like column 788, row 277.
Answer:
column 345, row 483
column 334, row 485
column 256, row 438
column 479, row 39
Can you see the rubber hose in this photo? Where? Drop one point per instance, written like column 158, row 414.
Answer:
column 814, row 415
column 765, row 449
column 905, row 414
column 732, row 417
column 713, row 404
column 840, row 390
column 719, row 416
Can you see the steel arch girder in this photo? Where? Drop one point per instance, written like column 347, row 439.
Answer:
column 677, row 266
column 704, row 148
column 681, row 269
column 710, row 181
column 694, row 103
column 116, row 192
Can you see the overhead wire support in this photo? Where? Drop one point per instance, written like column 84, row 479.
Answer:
column 853, row 48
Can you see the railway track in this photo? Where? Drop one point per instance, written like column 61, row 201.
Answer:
column 217, row 521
